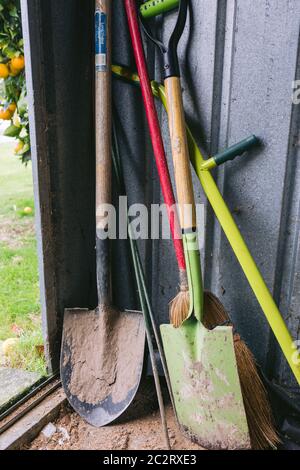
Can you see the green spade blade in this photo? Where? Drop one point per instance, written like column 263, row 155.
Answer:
column 205, row 384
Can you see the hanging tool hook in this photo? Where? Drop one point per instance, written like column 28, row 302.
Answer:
column 169, row 51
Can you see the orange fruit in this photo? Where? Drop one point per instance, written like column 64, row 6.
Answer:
column 12, row 107
column 5, row 114
column 12, row 71
column 17, row 63
column 4, row 71
column 27, row 210
column 19, row 146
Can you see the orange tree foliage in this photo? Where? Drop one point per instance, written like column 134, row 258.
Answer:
column 13, row 103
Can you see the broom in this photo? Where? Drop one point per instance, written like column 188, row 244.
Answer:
column 257, row 408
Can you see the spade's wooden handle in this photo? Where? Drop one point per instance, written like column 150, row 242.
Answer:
column 103, row 106
column 103, row 122
column 180, row 153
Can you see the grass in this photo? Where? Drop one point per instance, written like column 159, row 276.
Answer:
column 15, row 180
column 19, row 286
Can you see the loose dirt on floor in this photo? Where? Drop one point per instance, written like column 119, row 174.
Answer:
column 72, row 433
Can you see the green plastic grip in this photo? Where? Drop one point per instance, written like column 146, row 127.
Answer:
column 157, row 7
column 236, row 150
column 193, row 267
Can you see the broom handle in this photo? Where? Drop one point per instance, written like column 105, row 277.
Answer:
column 154, row 129
column 103, row 143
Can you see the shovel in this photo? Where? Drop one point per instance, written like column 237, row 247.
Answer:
column 201, row 362
column 102, row 350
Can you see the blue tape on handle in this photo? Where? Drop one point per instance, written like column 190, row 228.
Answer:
column 100, row 41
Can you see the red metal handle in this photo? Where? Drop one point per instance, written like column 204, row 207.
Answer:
column 154, row 128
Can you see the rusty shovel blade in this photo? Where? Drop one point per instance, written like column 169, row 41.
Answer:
column 102, row 361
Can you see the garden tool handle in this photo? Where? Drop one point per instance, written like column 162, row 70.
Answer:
column 185, row 194
column 103, row 123
column 169, row 50
column 157, row 7
column 154, row 129
column 180, row 154
column 236, row 150
column 231, row 153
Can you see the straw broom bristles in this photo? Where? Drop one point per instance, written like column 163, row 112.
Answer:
column 258, row 411
column 179, row 306
column 257, row 408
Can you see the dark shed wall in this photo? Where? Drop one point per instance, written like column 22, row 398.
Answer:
column 240, row 58
column 60, row 86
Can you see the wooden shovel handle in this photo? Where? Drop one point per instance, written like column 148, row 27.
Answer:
column 103, row 104
column 180, row 153
column 103, row 122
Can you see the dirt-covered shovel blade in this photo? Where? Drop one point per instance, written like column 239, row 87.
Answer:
column 205, row 384
column 101, row 362
column 103, row 349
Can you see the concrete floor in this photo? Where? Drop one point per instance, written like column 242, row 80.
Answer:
column 14, row 381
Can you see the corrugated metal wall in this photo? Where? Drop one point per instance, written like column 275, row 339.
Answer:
column 238, row 64
column 239, row 59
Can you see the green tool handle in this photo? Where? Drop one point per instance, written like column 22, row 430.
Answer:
column 156, row 7
column 144, row 296
column 241, row 250
column 230, row 153
column 235, row 150
column 239, row 246
column 135, row 253
column 138, row 275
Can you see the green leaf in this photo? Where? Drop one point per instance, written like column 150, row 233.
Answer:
column 4, row 43
column 2, row 90
column 23, row 133
column 10, row 52
column 25, row 149
column 13, row 12
column 22, row 102
column 12, row 131
column 16, row 120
